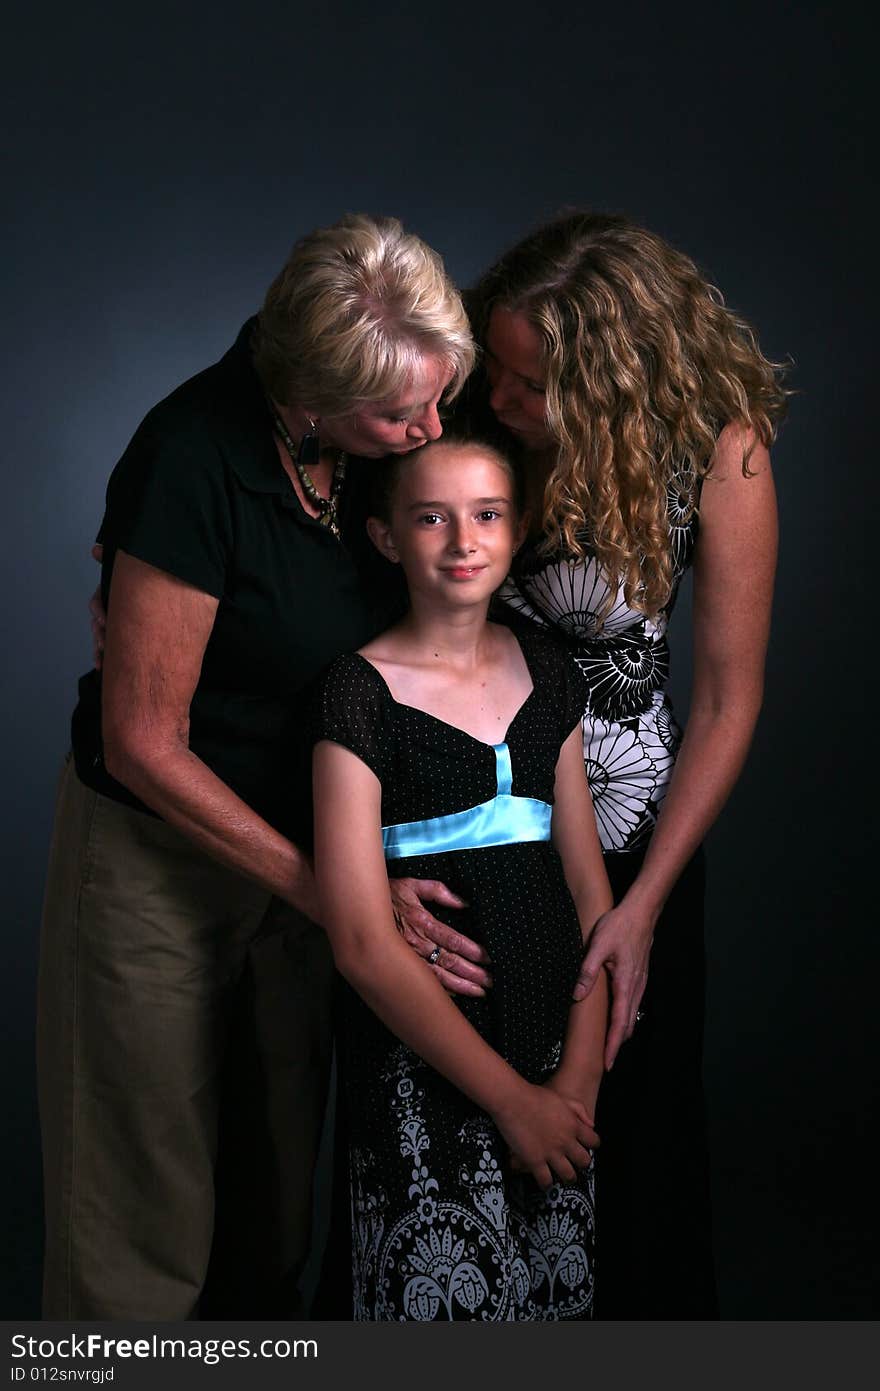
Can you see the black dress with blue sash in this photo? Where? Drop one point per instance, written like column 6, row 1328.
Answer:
column 441, row 1228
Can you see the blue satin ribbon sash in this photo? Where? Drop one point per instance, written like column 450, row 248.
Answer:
column 505, row 820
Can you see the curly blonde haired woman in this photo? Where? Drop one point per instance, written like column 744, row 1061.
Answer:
column 644, row 409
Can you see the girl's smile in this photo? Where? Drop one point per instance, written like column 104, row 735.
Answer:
column 463, row 572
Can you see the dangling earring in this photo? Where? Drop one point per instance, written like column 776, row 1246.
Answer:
column 309, row 452
column 308, row 456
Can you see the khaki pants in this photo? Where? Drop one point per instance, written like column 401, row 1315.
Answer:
column 178, row 1003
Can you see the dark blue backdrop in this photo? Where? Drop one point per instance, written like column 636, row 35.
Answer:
column 160, row 165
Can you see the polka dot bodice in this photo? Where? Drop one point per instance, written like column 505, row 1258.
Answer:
column 430, row 768
column 519, row 906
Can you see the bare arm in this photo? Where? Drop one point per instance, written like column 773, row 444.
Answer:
column 733, row 586
column 547, row 1131
column 157, row 631
column 577, row 841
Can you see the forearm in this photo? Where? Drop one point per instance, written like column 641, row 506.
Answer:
column 183, row 790
column 582, row 1066
column 709, row 762
column 581, row 1069
column 411, row 1002
column 158, row 630
column 591, row 893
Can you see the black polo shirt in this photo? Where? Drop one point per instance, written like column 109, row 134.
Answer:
column 200, row 493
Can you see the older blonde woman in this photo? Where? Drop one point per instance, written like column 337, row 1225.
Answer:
column 180, row 905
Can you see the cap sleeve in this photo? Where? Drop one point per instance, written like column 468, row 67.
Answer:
column 168, row 504
column 576, row 694
column 351, row 707
column 559, row 677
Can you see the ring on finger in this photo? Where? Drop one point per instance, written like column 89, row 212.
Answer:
column 434, row 956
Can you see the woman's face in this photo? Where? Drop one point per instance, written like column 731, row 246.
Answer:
column 514, row 362
column 397, row 425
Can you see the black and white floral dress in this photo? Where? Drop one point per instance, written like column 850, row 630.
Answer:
column 442, row 1230
column 654, row 1232
column 631, row 737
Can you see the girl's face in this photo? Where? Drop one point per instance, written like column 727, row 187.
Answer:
column 514, row 362
column 454, row 524
column 399, row 424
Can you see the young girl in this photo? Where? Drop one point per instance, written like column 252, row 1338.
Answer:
column 449, row 749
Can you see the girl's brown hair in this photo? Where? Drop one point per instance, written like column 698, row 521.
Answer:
column 388, row 472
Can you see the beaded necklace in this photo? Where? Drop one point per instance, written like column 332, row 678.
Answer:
column 309, row 452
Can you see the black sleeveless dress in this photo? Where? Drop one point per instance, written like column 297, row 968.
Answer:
column 654, row 1253
column 441, row 1227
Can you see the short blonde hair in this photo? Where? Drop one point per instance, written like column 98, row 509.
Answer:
column 352, row 313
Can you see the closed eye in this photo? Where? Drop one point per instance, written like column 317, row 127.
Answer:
column 493, row 363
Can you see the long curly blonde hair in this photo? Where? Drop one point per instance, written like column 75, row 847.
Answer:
column 644, row 364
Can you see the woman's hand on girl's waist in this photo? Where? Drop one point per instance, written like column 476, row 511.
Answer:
column 458, row 963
